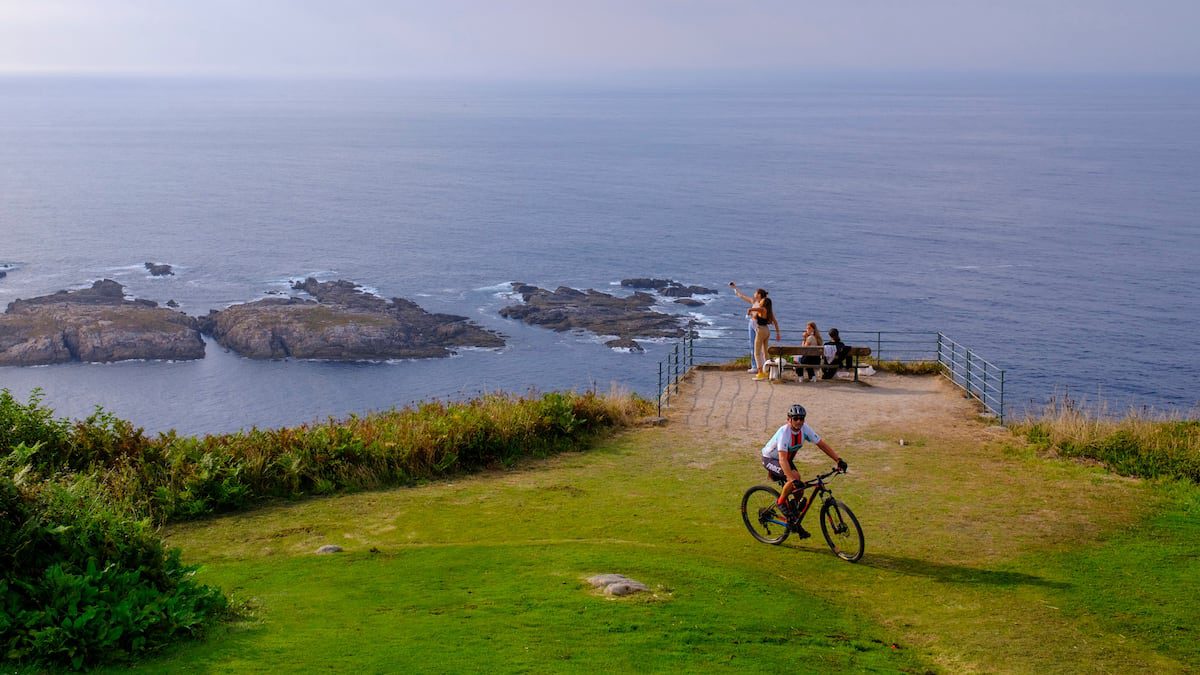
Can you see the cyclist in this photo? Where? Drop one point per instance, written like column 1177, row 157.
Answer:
column 779, row 454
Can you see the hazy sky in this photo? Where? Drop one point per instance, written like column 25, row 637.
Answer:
column 582, row 38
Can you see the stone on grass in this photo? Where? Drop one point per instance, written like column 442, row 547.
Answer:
column 329, row 548
column 617, row 585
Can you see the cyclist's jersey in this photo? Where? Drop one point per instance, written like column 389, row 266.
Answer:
column 786, row 440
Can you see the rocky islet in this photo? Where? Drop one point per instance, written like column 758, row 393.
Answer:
column 97, row 324
column 566, row 309
column 341, row 323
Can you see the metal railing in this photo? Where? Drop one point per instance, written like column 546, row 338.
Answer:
column 978, row 378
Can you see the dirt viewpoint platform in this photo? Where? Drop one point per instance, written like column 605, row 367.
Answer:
column 722, row 400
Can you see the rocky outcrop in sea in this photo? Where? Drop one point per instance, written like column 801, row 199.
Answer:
column 159, row 269
column 342, row 323
column 667, row 287
column 96, row 324
column 565, row 309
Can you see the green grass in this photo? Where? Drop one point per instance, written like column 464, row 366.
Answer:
column 525, row 609
column 1142, row 582
column 981, row 556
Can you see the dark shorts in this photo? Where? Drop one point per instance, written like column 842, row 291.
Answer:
column 773, row 468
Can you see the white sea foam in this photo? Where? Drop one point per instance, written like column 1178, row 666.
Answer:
column 506, row 286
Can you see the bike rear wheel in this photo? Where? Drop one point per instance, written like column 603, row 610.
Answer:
column 762, row 516
column 842, row 531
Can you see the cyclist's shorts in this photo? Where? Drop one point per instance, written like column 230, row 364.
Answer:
column 772, row 466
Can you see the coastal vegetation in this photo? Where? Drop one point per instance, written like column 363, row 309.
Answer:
column 86, row 578
column 1135, row 444
column 906, row 367
column 83, row 583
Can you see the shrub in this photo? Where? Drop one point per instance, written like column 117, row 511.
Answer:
column 81, row 584
column 1137, row 444
column 31, row 424
column 906, row 367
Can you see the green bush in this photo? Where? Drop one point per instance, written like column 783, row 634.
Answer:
column 31, row 424
column 81, row 584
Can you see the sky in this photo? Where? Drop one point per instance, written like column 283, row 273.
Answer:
column 540, row 39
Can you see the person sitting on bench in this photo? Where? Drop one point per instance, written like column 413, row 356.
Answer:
column 837, row 355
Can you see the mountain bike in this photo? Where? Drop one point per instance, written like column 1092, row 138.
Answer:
column 771, row 523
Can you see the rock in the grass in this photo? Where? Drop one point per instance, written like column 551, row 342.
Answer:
column 617, row 585
column 625, row 588
column 329, row 548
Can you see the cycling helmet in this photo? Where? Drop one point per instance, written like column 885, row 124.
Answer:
column 797, row 410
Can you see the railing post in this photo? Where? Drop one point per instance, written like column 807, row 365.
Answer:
column 660, row 389
column 676, row 367
column 985, row 391
column 968, row 377
column 879, row 345
column 1002, row 398
column 939, row 348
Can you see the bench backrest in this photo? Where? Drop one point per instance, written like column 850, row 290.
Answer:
column 785, row 350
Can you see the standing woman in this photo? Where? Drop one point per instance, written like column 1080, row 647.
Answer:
column 752, row 325
column 762, row 316
column 812, row 338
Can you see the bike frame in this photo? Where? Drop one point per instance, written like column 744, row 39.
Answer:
column 819, row 489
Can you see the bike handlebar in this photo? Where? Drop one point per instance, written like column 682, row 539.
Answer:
column 821, row 478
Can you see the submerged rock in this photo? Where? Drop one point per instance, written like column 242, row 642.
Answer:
column 343, row 323
column 626, row 344
column 96, row 324
column 567, row 309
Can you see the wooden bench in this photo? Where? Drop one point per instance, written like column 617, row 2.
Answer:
column 778, row 352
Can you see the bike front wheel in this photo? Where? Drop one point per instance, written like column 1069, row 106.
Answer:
column 842, row 531
column 762, row 516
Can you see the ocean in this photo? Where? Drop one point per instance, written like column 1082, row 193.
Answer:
column 1048, row 223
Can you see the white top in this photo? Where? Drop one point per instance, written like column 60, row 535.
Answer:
column 786, row 440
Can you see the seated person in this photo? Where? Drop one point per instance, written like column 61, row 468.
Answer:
column 837, row 354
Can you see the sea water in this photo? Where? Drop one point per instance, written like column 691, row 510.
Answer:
column 1048, row 224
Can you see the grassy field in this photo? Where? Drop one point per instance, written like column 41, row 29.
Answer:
column 981, row 556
